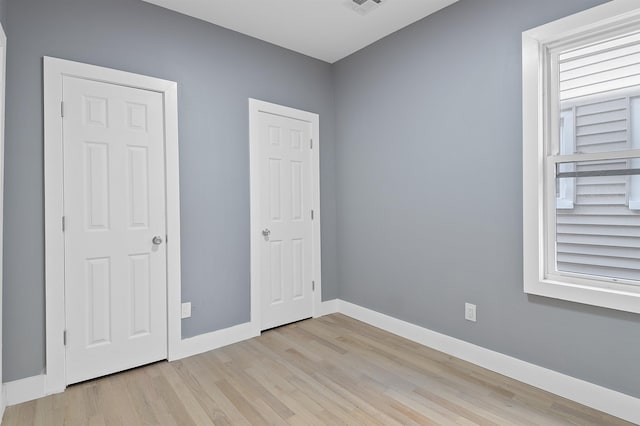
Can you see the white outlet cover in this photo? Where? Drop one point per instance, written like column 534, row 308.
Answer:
column 186, row 310
column 470, row 312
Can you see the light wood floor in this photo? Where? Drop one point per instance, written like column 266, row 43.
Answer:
column 332, row 370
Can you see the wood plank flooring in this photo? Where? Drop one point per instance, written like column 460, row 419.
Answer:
column 328, row 371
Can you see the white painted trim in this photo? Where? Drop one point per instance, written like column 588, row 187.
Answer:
column 585, row 393
column 3, row 75
column 24, row 390
column 214, row 340
column 255, row 107
column 540, row 114
column 576, row 25
column 54, row 70
column 172, row 187
column 329, row 307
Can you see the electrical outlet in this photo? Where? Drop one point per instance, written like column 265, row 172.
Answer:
column 470, row 312
column 186, row 310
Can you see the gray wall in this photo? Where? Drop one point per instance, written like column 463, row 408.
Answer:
column 217, row 71
column 429, row 133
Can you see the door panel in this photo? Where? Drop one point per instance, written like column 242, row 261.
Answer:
column 114, row 204
column 98, row 309
column 138, row 187
column 140, row 284
column 96, row 175
column 285, row 168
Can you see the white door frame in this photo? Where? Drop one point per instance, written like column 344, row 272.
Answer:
column 256, row 107
column 3, row 74
column 54, row 71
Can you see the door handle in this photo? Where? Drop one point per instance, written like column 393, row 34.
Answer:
column 157, row 240
column 266, row 233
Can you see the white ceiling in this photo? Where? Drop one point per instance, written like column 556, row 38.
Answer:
column 327, row 30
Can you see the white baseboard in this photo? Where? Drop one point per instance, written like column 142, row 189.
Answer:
column 24, row 390
column 580, row 391
column 214, row 340
column 609, row 401
column 328, row 307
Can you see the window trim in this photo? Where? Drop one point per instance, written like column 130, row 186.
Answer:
column 538, row 45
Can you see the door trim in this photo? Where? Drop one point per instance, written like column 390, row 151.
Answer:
column 256, row 107
column 54, row 71
column 3, row 74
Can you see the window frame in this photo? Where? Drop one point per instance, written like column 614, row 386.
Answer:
column 541, row 114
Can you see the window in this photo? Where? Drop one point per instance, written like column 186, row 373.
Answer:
column 581, row 157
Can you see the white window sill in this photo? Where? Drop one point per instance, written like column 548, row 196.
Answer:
column 628, row 301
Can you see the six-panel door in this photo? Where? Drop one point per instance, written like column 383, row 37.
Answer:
column 285, row 170
column 114, row 205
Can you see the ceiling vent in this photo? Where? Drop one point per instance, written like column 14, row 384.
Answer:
column 363, row 6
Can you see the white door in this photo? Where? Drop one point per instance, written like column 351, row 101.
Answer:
column 285, row 212
column 114, row 207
